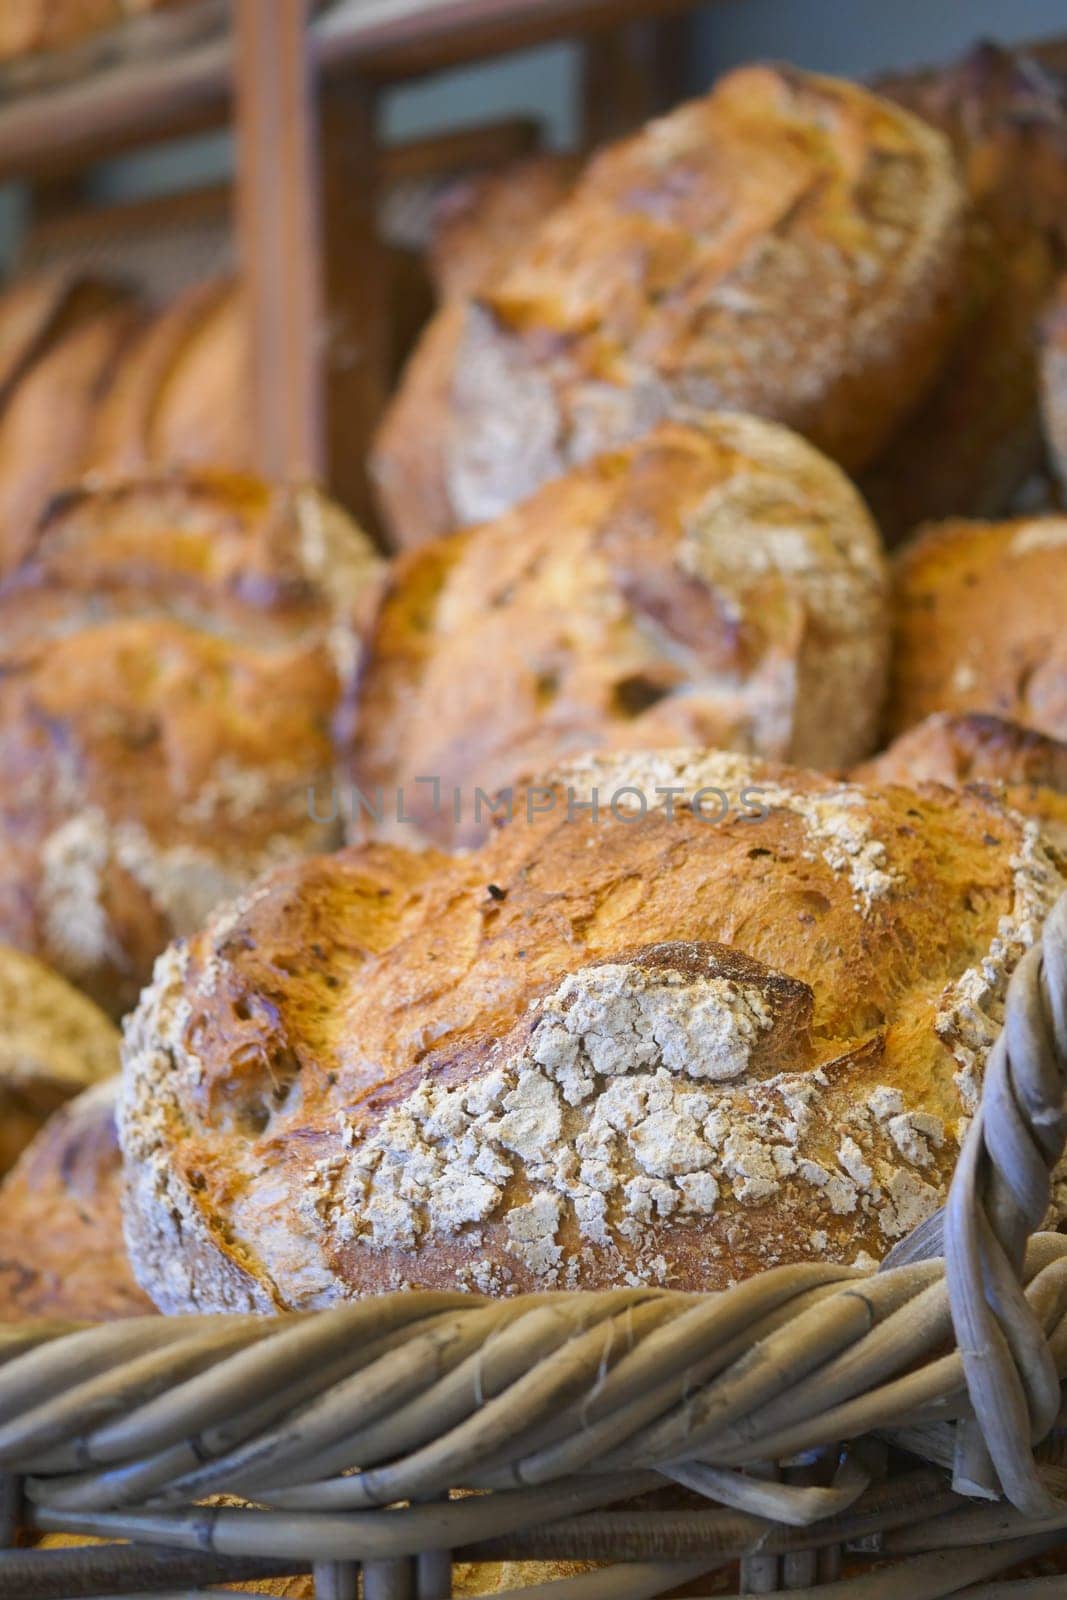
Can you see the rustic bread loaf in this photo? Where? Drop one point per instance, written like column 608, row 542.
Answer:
column 980, row 617
column 733, row 1019
column 1029, row 768
column 976, row 439
column 1054, row 380
column 480, row 220
column 53, row 1044
column 61, row 1246
column 716, row 585
column 172, row 654
column 180, row 396
column 61, row 335
column 28, row 27
column 790, row 246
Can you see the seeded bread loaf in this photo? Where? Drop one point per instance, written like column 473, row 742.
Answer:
column 981, row 623
column 976, row 440
column 53, row 1044
column 172, row 656
column 716, row 585
column 61, row 1247
column 789, row 246
column 733, row 1019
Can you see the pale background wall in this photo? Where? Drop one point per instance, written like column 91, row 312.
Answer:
column 845, row 36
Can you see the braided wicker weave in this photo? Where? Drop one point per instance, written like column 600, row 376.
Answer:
column 912, row 1416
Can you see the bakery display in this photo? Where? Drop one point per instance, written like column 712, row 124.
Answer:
column 790, row 245
column 717, row 585
column 53, row 1043
column 1029, row 768
column 61, row 1246
column 979, row 625
column 687, row 1015
column 173, row 652
column 971, row 446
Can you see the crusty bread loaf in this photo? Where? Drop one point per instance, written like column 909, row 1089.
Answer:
column 480, row 220
column 789, row 246
column 1054, row 380
column 715, row 585
column 61, row 1246
column 180, row 396
column 980, row 623
column 172, row 654
column 643, row 1046
column 53, row 1044
column 28, row 27
column 1029, row 768
column 977, row 438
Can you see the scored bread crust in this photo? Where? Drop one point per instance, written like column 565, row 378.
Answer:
column 790, row 245
column 174, row 653
column 720, row 585
column 979, row 623
column 479, row 221
column 614, row 1049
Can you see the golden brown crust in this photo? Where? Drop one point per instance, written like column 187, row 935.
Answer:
column 480, row 221
column 629, row 1048
column 62, row 1252
column 174, row 653
column 979, row 623
column 1029, row 768
column 179, row 398
column 976, row 440
column 787, row 246
column 719, row 585
column 54, row 1043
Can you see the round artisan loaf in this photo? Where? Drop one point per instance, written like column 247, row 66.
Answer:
column 53, row 1043
column 715, row 585
column 1029, row 768
column 981, row 623
column 479, row 221
column 62, row 1252
column 789, row 245
column 976, row 440
column 733, row 1016
column 172, row 654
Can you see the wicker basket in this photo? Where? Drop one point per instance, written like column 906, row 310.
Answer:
column 906, row 1423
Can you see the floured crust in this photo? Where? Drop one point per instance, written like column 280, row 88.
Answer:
column 1029, row 768
column 787, row 246
column 61, row 1246
column 53, row 1043
column 979, row 623
column 174, row 653
column 650, row 1047
column 719, row 585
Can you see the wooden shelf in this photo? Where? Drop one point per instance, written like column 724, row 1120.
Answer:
column 67, row 129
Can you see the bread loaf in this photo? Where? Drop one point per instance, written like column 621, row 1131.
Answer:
column 734, row 1018
column 480, row 221
column 1054, row 380
column 172, row 655
column 180, row 397
column 54, row 1043
column 979, row 623
column 790, row 246
column 1029, row 768
column 28, row 27
column 714, row 585
column 976, row 439
column 61, row 1247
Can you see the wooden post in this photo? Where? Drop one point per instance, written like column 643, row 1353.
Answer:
column 631, row 72
column 278, row 233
